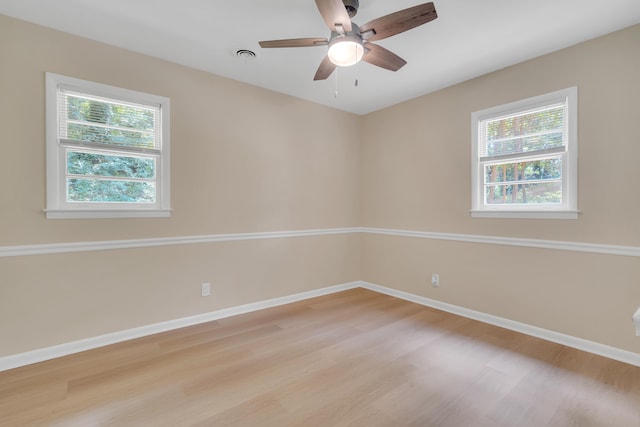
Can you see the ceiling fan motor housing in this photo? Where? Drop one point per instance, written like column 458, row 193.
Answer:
column 355, row 31
column 351, row 6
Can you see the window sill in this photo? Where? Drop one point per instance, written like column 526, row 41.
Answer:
column 104, row 213
column 525, row 214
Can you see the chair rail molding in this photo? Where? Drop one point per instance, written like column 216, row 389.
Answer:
column 69, row 247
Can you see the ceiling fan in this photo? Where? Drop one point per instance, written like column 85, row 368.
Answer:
column 349, row 43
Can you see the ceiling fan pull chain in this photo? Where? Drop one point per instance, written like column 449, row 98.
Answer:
column 335, row 93
column 357, row 68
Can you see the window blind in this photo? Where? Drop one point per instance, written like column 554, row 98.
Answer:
column 89, row 120
column 534, row 132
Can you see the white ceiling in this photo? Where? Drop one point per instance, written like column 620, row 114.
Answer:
column 469, row 38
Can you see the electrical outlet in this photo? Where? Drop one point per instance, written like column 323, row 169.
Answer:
column 206, row 289
column 435, row 280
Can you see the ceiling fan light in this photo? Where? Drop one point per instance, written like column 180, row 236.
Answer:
column 346, row 51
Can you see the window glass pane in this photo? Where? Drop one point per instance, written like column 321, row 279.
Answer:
column 530, row 193
column 547, row 169
column 106, row 191
column 80, row 163
column 110, row 123
column 532, row 131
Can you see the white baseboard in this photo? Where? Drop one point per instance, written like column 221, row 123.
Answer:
column 545, row 334
column 48, row 353
column 40, row 355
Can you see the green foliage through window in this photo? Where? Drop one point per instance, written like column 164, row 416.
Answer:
column 514, row 172
column 108, row 191
column 81, row 163
column 104, row 175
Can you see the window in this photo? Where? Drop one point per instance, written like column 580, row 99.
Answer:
column 524, row 160
column 107, row 151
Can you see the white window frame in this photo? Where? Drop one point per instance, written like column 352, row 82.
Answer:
column 568, row 209
column 57, row 205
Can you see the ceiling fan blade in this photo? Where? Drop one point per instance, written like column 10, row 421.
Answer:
column 377, row 55
column 325, row 69
column 333, row 12
column 309, row 42
column 399, row 22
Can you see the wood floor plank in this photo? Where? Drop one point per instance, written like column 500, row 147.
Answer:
column 355, row 358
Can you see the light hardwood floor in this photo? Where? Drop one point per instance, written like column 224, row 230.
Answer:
column 356, row 358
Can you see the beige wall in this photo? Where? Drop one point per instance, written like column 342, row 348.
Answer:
column 416, row 176
column 248, row 160
column 244, row 160
column 53, row 299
